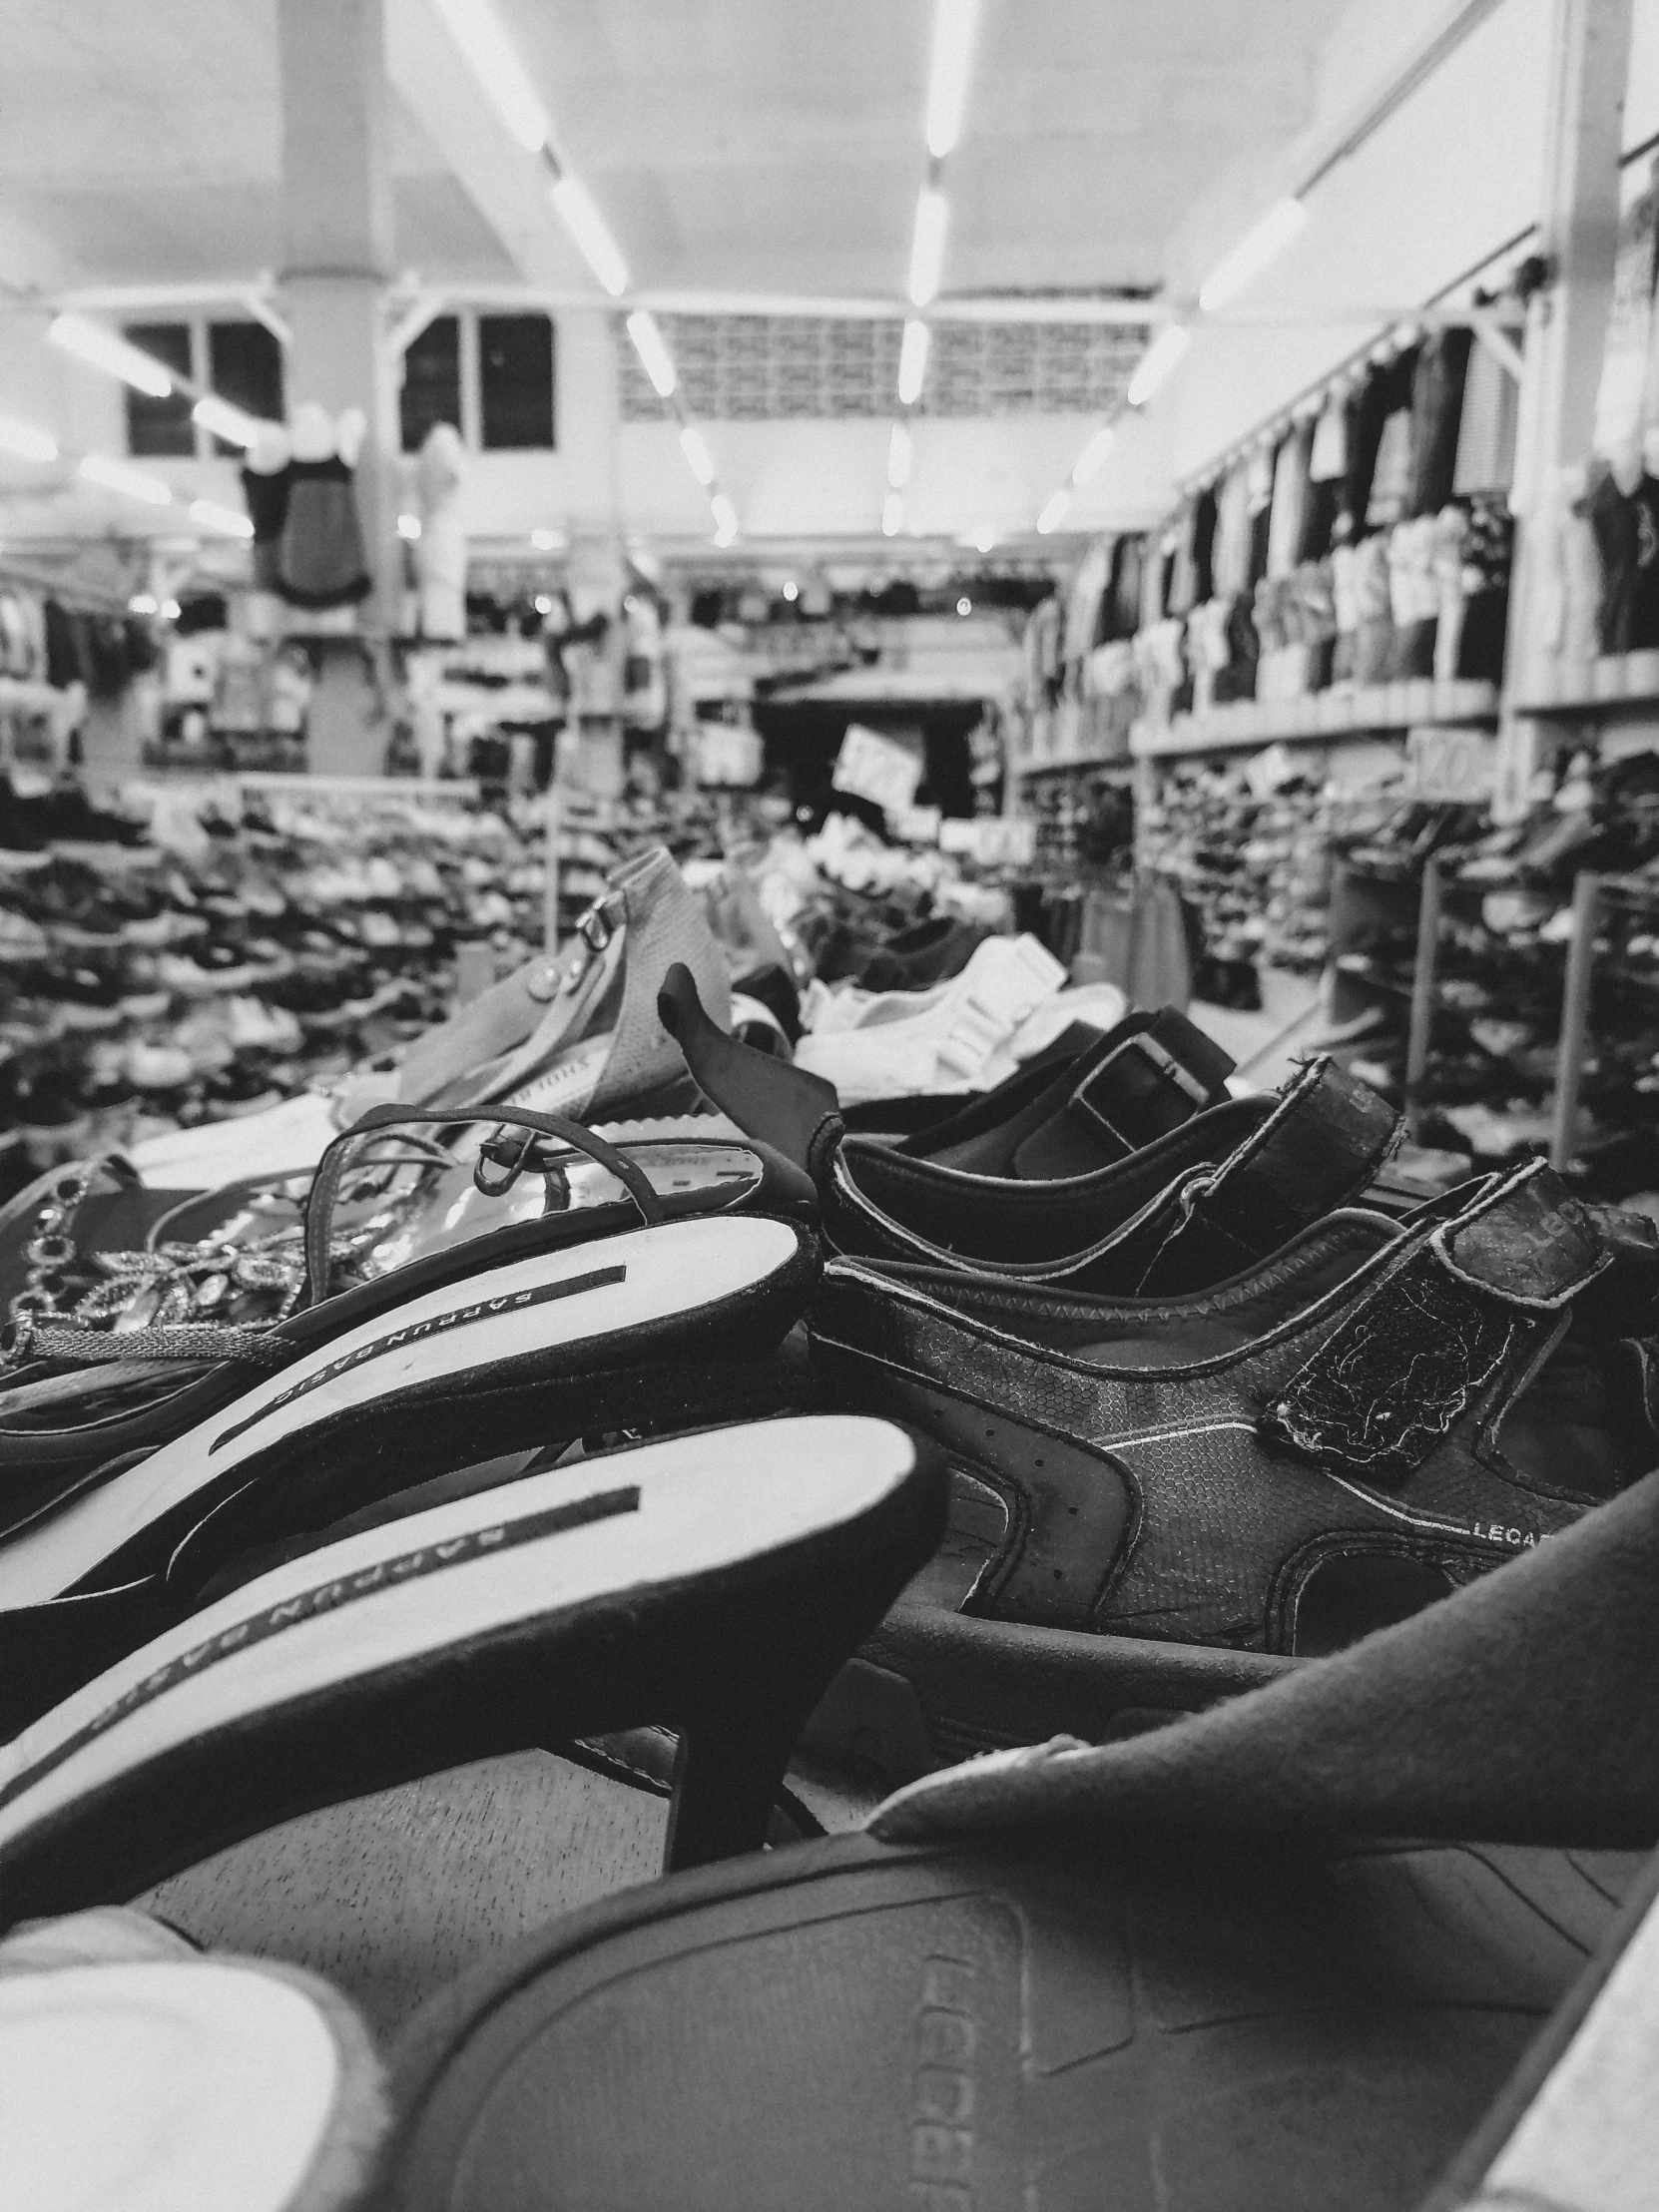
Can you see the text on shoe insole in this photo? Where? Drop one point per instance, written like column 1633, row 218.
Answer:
column 483, row 1308
column 329, row 1597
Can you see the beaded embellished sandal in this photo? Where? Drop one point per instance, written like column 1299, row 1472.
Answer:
column 131, row 1311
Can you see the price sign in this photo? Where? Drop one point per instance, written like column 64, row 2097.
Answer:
column 872, row 766
column 1451, row 767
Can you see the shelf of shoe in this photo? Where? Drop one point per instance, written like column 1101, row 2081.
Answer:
column 1371, row 710
column 1591, row 896
column 1616, row 684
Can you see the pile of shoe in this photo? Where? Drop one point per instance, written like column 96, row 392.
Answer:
column 1285, row 1546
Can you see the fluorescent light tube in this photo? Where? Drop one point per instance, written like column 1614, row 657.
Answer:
column 28, row 444
column 226, row 421
column 912, row 362
column 898, row 458
column 547, row 541
column 699, row 459
column 476, row 30
column 119, row 476
column 984, row 538
column 725, row 518
column 948, row 75
column 586, row 226
column 893, row 515
column 652, row 354
column 408, row 526
column 1093, row 456
column 101, row 348
column 927, row 245
column 1251, row 254
column 212, row 516
column 1157, row 363
column 1054, row 513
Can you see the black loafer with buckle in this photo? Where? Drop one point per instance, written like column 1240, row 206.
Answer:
column 1157, row 1502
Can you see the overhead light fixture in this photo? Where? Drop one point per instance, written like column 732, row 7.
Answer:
column 964, row 606
column 576, row 211
column 171, row 610
column 144, row 603
column 546, row 541
column 1092, row 459
column 725, row 518
column 899, row 450
column 699, row 459
column 408, row 526
column 893, row 515
column 1054, row 513
column 1157, row 363
column 226, row 421
column 227, row 520
column 948, row 73
column 28, row 444
column 792, row 590
column 1252, row 254
column 913, row 362
column 101, row 348
column 984, row 538
column 476, row 30
column 96, row 468
column 543, row 605
column 927, row 245
column 652, row 354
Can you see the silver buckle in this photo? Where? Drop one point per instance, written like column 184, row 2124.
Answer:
column 595, row 930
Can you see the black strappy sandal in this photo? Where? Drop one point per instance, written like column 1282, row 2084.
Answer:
column 134, row 1313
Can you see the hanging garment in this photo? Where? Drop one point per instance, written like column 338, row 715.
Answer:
column 1436, row 408
column 440, row 550
column 1390, row 484
column 1489, row 550
column 1120, row 610
column 1328, row 455
column 1626, row 529
column 1622, row 393
column 1373, row 611
column 1232, row 547
column 321, row 560
column 1385, row 390
column 1487, row 427
column 1290, row 501
column 267, row 494
column 1194, row 579
column 1345, row 562
column 1413, row 597
column 1451, row 532
column 1088, row 588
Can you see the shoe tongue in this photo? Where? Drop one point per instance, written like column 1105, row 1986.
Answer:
column 1146, row 1077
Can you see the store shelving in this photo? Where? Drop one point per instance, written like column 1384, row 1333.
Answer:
column 1372, row 710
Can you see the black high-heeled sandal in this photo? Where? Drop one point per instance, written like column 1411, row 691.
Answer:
column 663, row 1327
column 711, row 1582
column 134, row 1313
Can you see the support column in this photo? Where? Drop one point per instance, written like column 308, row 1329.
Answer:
column 337, row 260
column 1566, row 326
column 589, row 422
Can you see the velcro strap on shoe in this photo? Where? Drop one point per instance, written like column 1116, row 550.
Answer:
column 1317, row 1150
column 1158, row 1071
column 1468, row 1303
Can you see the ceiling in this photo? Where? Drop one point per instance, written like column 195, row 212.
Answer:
column 764, row 145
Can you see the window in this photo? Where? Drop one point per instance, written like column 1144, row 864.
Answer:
column 161, row 427
column 431, row 380
column 515, row 380
column 245, row 367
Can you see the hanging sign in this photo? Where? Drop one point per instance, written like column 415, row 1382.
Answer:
column 872, row 766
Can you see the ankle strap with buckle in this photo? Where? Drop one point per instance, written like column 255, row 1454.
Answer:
column 1157, row 1072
